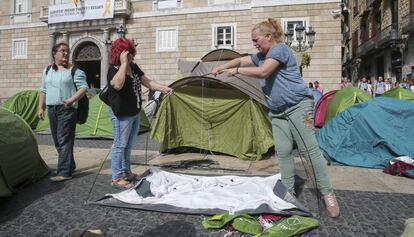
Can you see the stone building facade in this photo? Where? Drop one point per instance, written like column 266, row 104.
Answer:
column 165, row 31
column 378, row 39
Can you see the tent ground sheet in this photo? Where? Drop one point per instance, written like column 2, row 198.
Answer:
column 164, row 191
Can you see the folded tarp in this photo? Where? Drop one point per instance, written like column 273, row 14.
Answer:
column 180, row 193
column 370, row 134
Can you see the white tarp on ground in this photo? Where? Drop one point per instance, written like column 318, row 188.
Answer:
column 227, row 193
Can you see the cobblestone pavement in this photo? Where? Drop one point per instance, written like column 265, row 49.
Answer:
column 58, row 209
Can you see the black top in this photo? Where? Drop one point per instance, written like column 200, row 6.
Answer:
column 127, row 101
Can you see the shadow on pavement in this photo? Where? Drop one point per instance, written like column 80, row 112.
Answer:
column 11, row 207
column 173, row 228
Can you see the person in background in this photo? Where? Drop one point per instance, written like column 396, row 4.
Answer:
column 59, row 94
column 405, row 84
column 290, row 102
column 388, row 84
column 397, row 84
column 412, row 84
column 317, row 95
column 363, row 85
column 124, row 85
column 343, row 83
column 379, row 87
column 369, row 87
column 318, row 87
column 348, row 83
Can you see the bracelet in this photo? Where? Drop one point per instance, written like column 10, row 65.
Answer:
column 237, row 70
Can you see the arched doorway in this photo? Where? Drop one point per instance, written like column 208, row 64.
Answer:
column 88, row 59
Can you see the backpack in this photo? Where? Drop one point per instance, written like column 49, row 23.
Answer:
column 83, row 104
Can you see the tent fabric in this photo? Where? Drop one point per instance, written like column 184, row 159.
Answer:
column 248, row 85
column 98, row 124
column 321, row 108
column 208, row 114
column 220, row 55
column 344, row 99
column 399, row 93
column 370, row 134
column 172, row 192
column 185, row 68
column 20, row 161
column 24, row 104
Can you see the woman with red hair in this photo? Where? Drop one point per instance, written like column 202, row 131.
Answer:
column 124, row 85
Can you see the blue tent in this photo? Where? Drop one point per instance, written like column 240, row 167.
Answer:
column 370, row 134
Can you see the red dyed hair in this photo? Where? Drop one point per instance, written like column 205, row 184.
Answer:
column 118, row 46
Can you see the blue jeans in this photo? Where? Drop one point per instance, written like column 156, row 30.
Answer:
column 296, row 124
column 62, row 125
column 125, row 133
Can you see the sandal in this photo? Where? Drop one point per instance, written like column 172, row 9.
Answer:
column 130, row 176
column 121, row 183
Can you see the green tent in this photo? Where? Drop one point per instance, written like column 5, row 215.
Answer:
column 20, row 161
column 211, row 114
column 216, row 113
column 343, row 99
column 24, row 104
column 98, row 123
column 400, row 93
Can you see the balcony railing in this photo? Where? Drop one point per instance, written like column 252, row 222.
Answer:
column 387, row 37
column 123, row 8
column 408, row 23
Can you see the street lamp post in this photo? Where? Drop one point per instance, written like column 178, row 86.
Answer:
column 300, row 43
column 301, row 37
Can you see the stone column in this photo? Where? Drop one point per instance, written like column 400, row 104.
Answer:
column 65, row 38
column 51, row 44
column 106, row 37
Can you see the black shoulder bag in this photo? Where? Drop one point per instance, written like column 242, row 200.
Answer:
column 110, row 97
column 104, row 95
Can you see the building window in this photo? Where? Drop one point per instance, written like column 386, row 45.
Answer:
column 167, row 39
column 224, row 36
column 289, row 24
column 165, row 4
column 20, row 11
column 222, row 2
column 19, row 48
column 20, row 6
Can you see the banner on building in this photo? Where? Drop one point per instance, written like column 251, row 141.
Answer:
column 83, row 10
